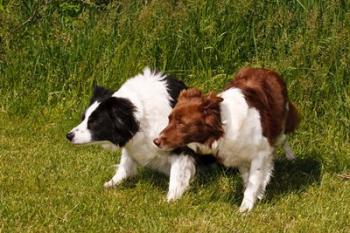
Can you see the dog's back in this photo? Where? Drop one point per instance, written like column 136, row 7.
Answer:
column 265, row 90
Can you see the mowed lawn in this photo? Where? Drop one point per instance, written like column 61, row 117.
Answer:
column 51, row 52
column 48, row 185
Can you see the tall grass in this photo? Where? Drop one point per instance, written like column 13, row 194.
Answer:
column 52, row 51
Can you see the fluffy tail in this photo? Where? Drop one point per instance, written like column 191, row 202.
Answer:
column 293, row 119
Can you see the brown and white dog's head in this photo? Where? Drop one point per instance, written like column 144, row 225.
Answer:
column 195, row 118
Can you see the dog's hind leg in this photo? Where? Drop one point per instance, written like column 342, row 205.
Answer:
column 126, row 168
column 182, row 170
column 267, row 173
column 255, row 180
column 282, row 139
column 289, row 153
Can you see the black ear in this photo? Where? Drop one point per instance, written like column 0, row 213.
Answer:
column 100, row 93
column 124, row 124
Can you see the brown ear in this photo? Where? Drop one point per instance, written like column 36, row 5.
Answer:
column 213, row 122
column 190, row 93
column 212, row 101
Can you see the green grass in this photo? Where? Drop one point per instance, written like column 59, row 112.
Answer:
column 52, row 51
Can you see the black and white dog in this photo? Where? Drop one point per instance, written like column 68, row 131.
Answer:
column 131, row 118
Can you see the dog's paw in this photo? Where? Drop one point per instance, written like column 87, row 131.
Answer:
column 261, row 195
column 109, row 184
column 173, row 196
column 246, row 206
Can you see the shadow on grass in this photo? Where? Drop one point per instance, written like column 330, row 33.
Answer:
column 294, row 176
column 206, row 175
column 149, row 176
column 288, row 177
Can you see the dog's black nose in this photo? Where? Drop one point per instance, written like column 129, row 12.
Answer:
column 156, row 142
column 70, row 136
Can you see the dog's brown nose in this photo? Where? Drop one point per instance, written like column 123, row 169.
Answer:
column 156, row 142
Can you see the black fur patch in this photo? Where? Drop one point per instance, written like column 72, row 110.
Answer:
column 114, row 121
column 99, row 94
column 174, row 87
column 201, row 159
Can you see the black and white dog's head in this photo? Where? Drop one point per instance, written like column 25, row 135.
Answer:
column 108, row 118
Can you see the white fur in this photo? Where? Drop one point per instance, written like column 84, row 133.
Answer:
column 243, row 145
column 289, row 153
column 81, row 132
column 148, row 93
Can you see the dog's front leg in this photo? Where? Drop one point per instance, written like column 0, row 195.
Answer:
column 182, row 170
column 244, row 170
column 126, row 168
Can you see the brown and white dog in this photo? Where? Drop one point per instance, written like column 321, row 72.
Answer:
column 241, row 126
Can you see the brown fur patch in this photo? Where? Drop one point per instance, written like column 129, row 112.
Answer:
column 195, row 118
column 293, row 119
column 266, row 91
